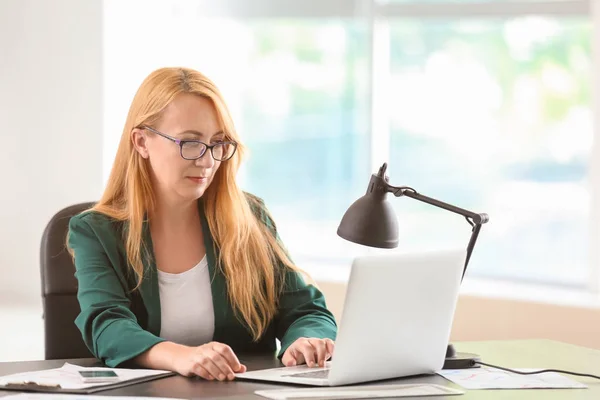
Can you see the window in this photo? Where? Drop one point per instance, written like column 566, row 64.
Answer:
column 487, row 108
column 303, row 114
column 495, row 116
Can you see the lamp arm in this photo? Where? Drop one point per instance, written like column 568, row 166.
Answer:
column 474, row 219
column 410, row 192
column 380, row 184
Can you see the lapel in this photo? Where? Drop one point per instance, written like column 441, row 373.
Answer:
column 149, row 287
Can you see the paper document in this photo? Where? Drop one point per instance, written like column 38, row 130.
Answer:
column 66, row 378
column 46, row 396
column 360, row 392
column 492, row 378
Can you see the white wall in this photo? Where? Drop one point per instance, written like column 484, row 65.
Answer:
column 50, row 127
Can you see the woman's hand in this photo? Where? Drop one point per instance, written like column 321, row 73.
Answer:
column 210, row 361
column 311, row 351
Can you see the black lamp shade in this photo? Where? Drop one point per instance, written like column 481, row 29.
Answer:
column 371, row 221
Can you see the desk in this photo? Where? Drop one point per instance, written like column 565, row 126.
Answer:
column 517, row 354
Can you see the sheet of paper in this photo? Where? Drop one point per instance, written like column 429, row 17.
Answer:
column 492, row 378
column 44, row 396
column 68, row 378
column 359, row 392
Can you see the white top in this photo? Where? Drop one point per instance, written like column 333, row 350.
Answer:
column 186, row 306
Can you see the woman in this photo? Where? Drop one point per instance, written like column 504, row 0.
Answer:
column 178, row 269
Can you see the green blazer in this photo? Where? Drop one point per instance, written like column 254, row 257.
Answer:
column 118, row 323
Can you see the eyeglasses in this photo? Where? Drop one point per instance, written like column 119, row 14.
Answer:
column 195, row 149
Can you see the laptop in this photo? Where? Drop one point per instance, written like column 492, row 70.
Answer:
column 396, row 321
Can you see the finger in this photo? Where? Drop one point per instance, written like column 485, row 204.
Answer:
column 207, row 363
column 306, row 349
column 200, row 371
column 320, row 349
column 225, row 371
column 289, row 359
column 227, row 353
column 295, row 357
column 330, row 347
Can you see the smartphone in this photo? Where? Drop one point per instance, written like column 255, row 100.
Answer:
column 98, row 376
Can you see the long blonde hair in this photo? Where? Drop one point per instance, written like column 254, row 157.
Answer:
column 248, row 250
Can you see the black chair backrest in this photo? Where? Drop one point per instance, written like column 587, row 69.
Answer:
column 59, row 289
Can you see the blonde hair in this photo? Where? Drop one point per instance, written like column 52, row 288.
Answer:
column 249, row 252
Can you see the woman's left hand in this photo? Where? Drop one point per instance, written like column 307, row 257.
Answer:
column 311, row 351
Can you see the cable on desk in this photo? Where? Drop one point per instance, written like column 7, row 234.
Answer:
column 536, row 372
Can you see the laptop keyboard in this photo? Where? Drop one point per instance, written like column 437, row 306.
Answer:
column 320, row 374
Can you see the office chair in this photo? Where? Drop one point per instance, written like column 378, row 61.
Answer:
column 59, row 289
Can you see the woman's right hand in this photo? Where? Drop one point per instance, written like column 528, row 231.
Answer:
column 210, row 361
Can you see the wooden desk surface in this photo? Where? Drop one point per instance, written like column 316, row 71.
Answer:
column 515, row 354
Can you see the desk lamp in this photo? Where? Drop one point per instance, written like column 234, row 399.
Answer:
column 371, row 221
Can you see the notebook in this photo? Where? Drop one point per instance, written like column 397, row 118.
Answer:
column 66, row 379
